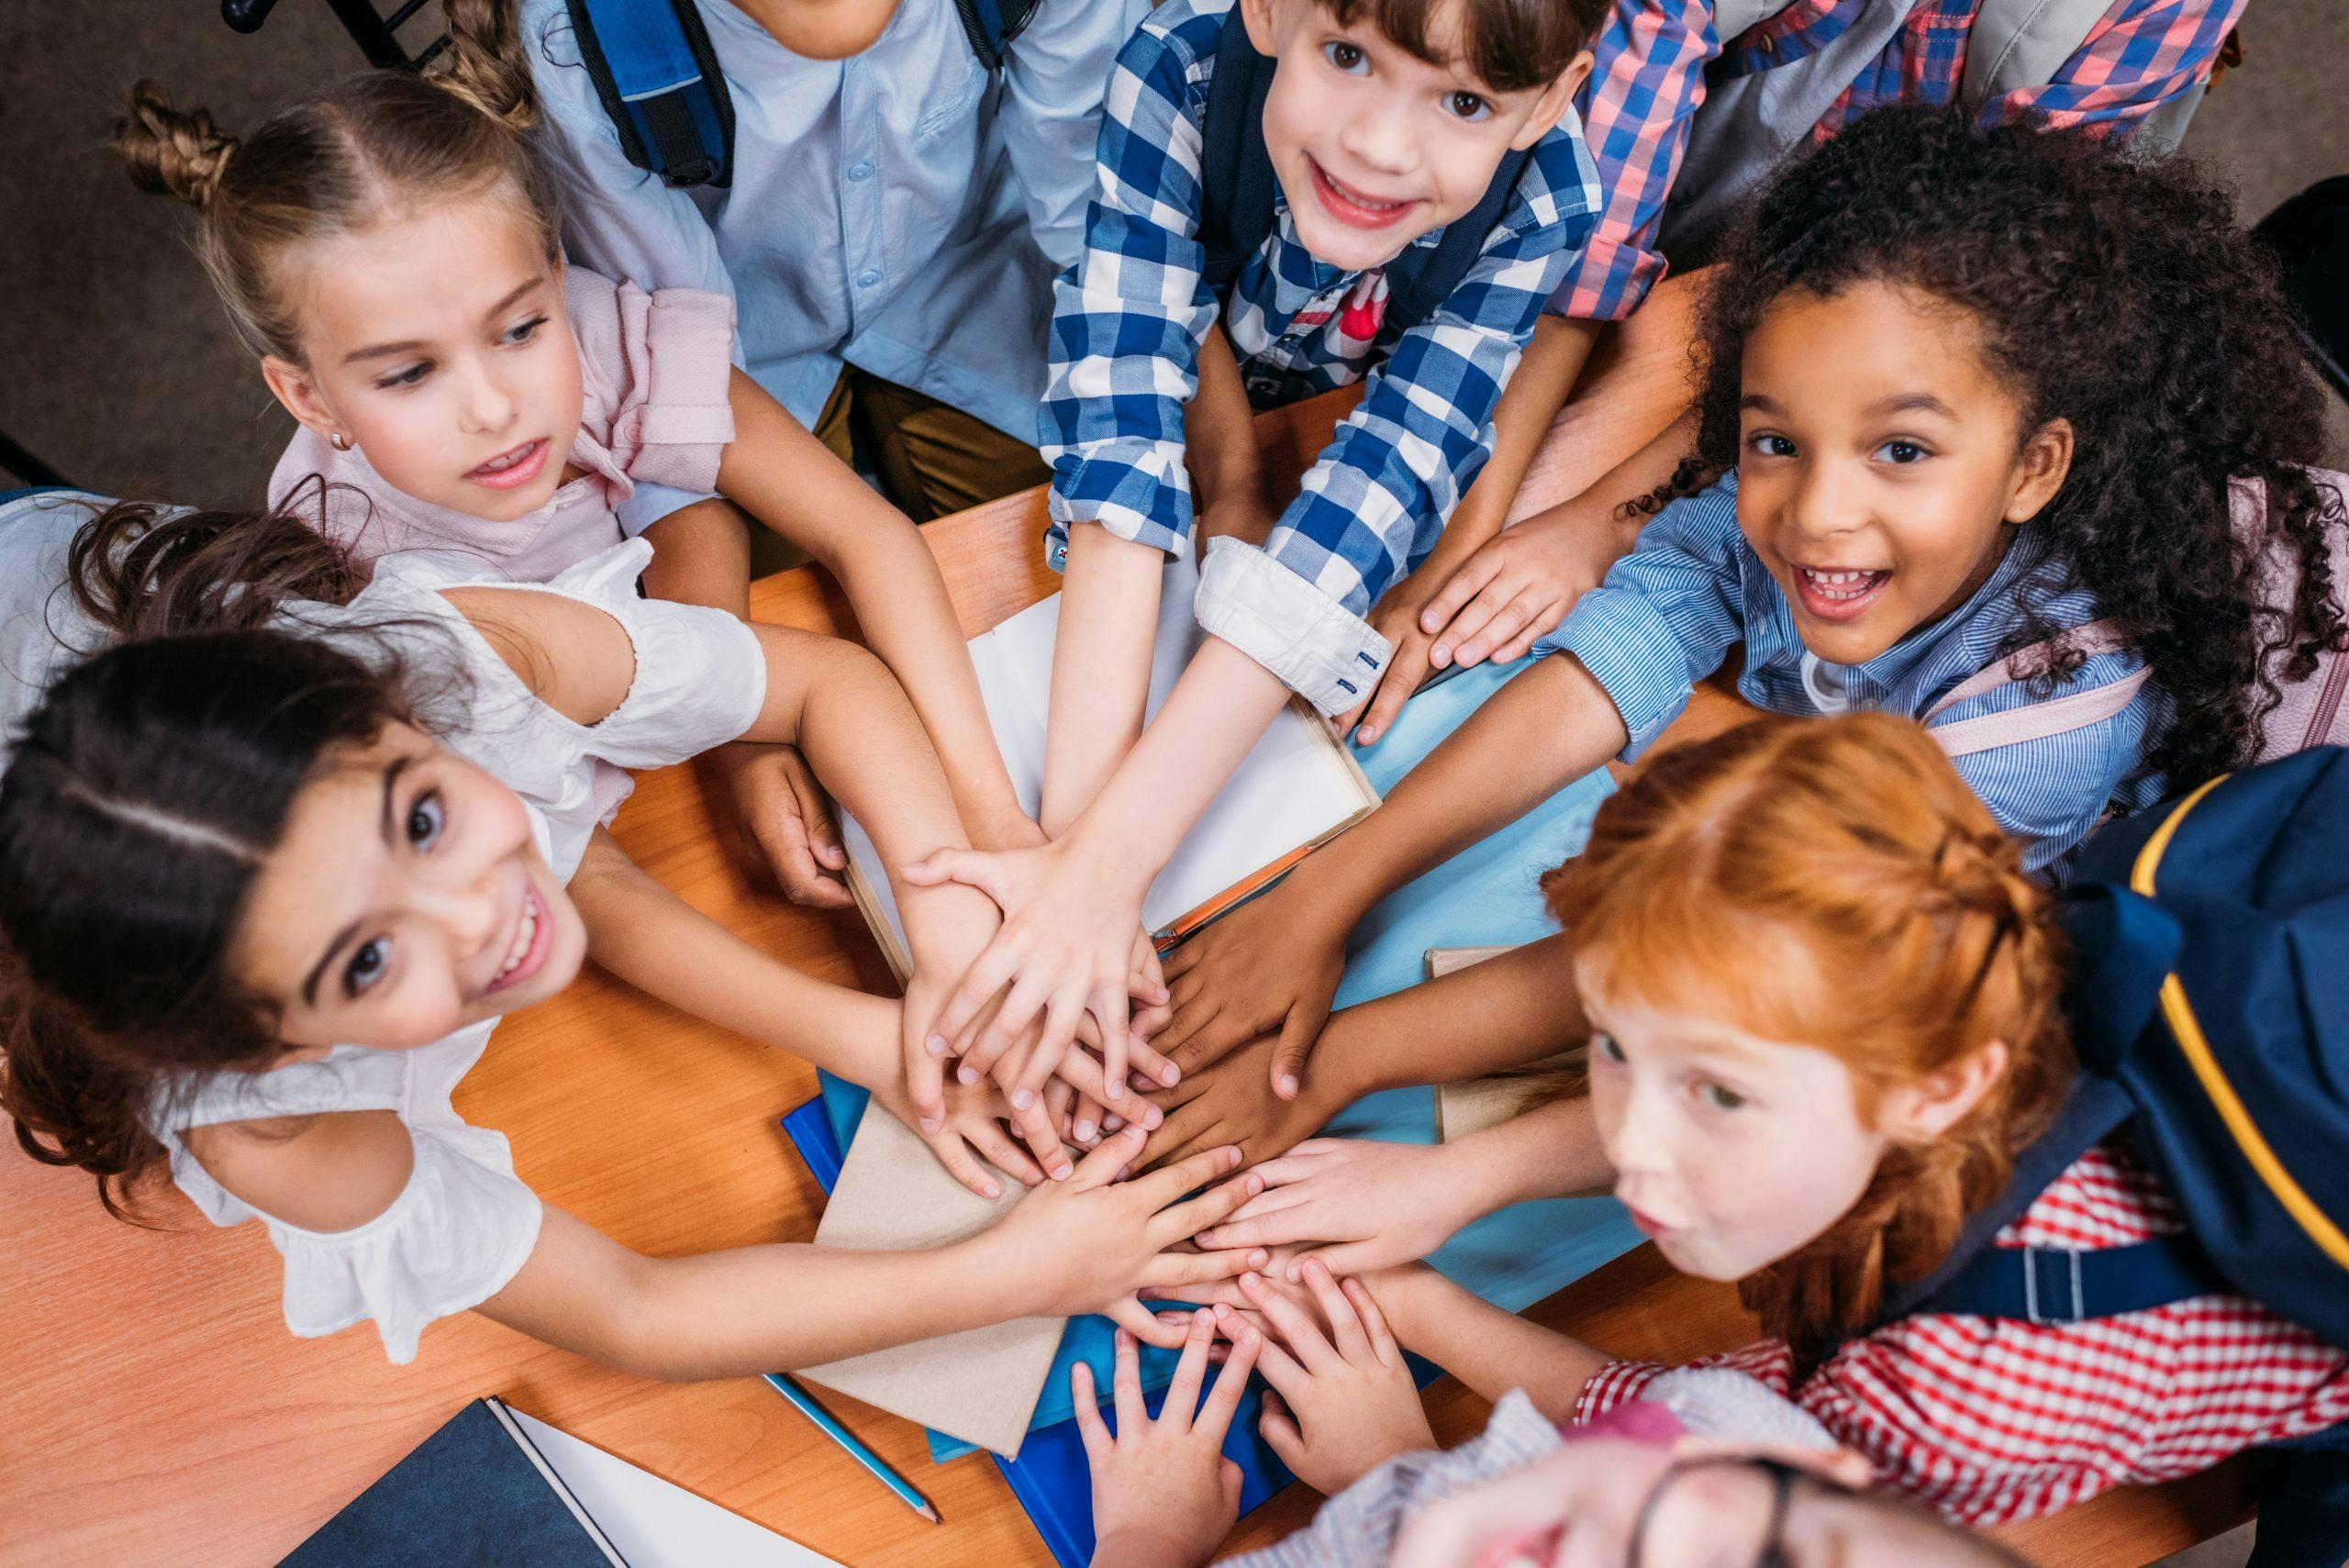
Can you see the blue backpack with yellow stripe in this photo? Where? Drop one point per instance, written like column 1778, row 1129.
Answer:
column 2209, row 1005
column 660, row 81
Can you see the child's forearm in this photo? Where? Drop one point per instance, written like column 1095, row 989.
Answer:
column 1528, row 406
column 1485, row 1347
column 1101, row 657
column 701, row 555
column 1553, row 1150
column 646, row 935
column 1210, row 720
column 1545, row 728
column 792, row 483
column 1511, row 1009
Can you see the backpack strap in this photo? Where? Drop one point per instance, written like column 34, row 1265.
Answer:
column 659, row 80
column 992, row 23
column 1237, row 185
column 2036, row 721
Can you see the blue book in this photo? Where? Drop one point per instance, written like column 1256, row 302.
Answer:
column 476, row 1494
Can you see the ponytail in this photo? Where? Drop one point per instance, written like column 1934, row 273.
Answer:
column 483, row 61
column 138, row 570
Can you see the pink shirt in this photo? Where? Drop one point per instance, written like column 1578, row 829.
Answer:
column 653, row 370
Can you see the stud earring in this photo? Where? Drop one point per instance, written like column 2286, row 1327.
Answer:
column 338, row 442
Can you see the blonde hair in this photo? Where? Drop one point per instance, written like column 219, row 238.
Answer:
column 343, row 159
column 1834, row 881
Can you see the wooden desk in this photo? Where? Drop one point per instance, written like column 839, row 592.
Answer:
column 159, row 1414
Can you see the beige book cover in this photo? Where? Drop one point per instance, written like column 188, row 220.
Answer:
column 1297, row 788
column 1473, row 1104
column 980, row 1385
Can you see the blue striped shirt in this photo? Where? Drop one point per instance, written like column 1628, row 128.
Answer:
column 1128, row 320
column 1670, row 611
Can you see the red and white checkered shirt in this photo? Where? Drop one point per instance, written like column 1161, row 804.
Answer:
column 1992, row 1419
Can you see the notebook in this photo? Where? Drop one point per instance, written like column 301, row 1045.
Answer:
column 495, row 1486
column 980, row 1385
column 1298, row 787
column 1473, row 1104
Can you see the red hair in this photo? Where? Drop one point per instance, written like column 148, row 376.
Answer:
column 1834, row 882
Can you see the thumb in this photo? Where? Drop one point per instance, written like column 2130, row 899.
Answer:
column 941, row 866
column 1297, row 1033
column 1228, row 1478
column 823, row 831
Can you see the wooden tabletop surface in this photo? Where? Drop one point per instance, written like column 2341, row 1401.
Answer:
column 159, row 1412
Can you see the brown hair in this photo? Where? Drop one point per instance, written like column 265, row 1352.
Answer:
column 344, row 159
column 1834, row 881
column 148, row 783
column 1512, row 46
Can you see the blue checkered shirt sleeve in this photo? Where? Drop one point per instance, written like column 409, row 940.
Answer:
column 1128, row 319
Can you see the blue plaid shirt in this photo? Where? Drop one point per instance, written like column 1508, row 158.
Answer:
column 1128, row 321
column 1670, row 611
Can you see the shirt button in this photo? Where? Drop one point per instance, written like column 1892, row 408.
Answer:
column 867, row 278
column 860, row 171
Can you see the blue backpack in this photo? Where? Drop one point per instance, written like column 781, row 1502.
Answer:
column 660, row 81
column 2209, row 1005
column 1235, row 186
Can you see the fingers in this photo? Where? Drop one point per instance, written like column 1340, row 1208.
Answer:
column 1293, row 1324
column 1081, row 1072
column 1162, row 1187
column 1215, row 1037
column 995, row 965
column 1148, row 1061
column 972, row 868
column 1104, row 1164
column 1479, row 568
column 1148, row 980
column 1190, row 1371
column 1405, row 674
column 955, row 1155
column 1344, row 1259
column 1188, row 1129
column 821, row 828
column 1280, row 1433
column 1299, row 1030
column 1346, row 1330
column 1373, row 1322
column 1139, row 1321
column 1085, row 1114
column 1040, row 1130
column 1125, row 1381
column 997, row 1147
column 1089, row 1425
column 1185, row 1221
column 1540, row 624
column 1116, row 1043
column 1031, row 993
column 1223, row 1399
column 1281, row 1228
column 1176, row 1275
column 1450, row 644
column 925, row 1075
column 1507, row 622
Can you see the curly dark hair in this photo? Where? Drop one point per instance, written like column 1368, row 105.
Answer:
column 2114, row 292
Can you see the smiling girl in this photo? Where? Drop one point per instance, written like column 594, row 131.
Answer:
column 269, row 880
column 1977, row 403
column 1823, row 1004
column 389, row 250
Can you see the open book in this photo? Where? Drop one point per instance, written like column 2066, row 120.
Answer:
column 1297, row 788
column 1473, row 1104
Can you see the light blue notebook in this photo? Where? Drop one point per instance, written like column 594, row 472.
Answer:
column 1484, row 896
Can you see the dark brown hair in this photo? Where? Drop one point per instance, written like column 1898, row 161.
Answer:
column 342, row 160
column 1512, row 46
column 1834, row 881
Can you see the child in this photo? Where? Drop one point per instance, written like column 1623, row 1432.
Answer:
column 893, row 208
column 388, row 248
column 1307, row 172
column 269, row 888
column 1927, row 464
column 1822, row 999
column 1687, row 116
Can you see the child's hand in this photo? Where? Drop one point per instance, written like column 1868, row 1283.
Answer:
column 1520, row 582
column 784, row 810
column 1089, row 1243
column 1270, row 967
column 1380, row 1203
column 1163, row 1495
column 1064, row 948
column 1395, row 618
column 1229, row 1104
column 1346, row 1402
column 972, row 1130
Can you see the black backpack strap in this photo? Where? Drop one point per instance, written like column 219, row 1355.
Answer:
column 1236, row 181
column 1424, row 277
column 992, row 23
column 659, row 80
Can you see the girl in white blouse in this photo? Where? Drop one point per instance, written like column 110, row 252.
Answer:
column 267, row 885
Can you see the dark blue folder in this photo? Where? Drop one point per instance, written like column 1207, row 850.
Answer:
column 1049, row 1476
column 473, row 1494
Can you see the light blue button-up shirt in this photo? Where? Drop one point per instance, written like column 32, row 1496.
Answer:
column 901, row 210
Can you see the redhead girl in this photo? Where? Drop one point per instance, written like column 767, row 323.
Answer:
column 273, row 868
column 389, row 249
column 1820, row 997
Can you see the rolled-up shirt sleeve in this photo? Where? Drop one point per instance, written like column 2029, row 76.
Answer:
column 2143, row 54
column 1666, row 616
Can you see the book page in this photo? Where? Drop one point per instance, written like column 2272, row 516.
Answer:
column 1472, row 1105
column 653, row 1523
column 1296, row 787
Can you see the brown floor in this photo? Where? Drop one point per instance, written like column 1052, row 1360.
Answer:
column 117, row 368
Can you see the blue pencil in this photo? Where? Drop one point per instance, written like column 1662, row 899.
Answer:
column 806, row 1404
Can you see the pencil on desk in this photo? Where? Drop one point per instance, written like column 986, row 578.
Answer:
column 806, row 1404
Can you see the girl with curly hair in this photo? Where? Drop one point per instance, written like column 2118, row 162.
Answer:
column 1822, row 1002
column 1973, row 404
